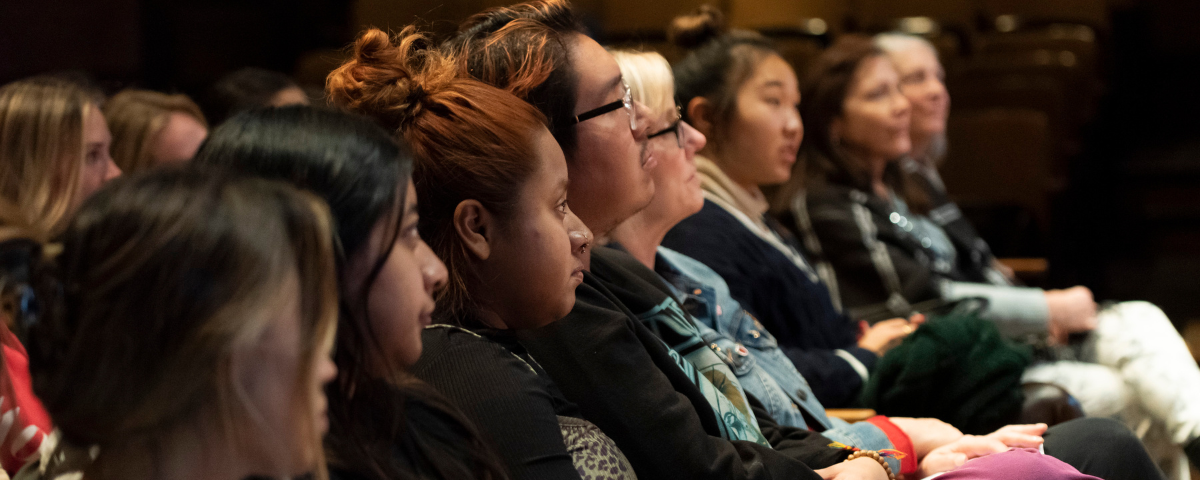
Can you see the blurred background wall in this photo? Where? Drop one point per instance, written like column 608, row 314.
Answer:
column 1075, row 129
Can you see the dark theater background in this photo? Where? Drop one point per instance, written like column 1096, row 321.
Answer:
column 1074, row 141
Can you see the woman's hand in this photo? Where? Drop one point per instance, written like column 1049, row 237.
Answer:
column 857, row 469
column 926, row 434
column 1071, row 311
column 1020, row 436
column 887, row 334
column 953, row 455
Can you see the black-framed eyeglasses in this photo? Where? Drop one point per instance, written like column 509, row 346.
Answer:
column 676, row 127
column 626, row 101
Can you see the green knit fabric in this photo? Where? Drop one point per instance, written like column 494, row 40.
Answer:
column 956, row 368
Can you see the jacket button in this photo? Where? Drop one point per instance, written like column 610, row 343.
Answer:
column 802, row 394
column 755, row 334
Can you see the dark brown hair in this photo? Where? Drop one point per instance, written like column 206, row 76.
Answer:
column 470, row 140
column 718, row 62
column 824, row 92
column 525, row 50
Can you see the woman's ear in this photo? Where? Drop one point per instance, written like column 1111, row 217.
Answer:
column 700, row 113
column 473, row 224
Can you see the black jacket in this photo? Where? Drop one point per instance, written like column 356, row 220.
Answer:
column 881, row 266
column 509, row 399
column 795, row 309
column 974, row 255
column 624, row 380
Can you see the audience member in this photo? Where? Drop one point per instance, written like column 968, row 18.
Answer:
column 248, row 88
column 492, row 188
column 183, row 331
column 1132, row 365
column 737, row 90
column 25, row 437
column 54, row 150
column 151, row 128
column 384, row 423
column 866, row 216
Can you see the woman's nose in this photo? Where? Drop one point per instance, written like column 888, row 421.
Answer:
column 433, row 271
column 694, row 140
column 581, row 235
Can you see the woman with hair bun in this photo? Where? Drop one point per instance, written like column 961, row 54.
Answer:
column 491, row 186
column 736, row 89
column 183, row 331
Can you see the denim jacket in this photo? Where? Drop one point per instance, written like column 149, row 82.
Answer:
column 753, row 355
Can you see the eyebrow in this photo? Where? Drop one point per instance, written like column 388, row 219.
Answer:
column 410, row 209
column 615, row 82
column 773, row 83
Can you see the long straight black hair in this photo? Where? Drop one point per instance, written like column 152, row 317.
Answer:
column 360, row 170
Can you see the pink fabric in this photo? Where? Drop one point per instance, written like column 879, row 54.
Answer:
column 1015, row 464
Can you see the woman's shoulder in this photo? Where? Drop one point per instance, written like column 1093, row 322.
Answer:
column 710, row 217
column 835, row 194
column 447, row 347
column 711, row 228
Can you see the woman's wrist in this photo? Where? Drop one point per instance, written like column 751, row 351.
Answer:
column 873, row 455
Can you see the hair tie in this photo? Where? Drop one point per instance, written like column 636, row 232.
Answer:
column 28, row 310
column 417, row 94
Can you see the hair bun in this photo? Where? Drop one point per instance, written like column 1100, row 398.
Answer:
column 390, row 79
column 692, row 30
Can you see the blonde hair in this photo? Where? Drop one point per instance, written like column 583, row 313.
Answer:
column 649, row 77
column 136, row 118
column 42, row 148
column 125, row 371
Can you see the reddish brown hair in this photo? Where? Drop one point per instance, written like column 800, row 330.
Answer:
column 470, row 140
column 525, row 49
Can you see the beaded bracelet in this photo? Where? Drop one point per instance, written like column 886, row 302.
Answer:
column 874, row 456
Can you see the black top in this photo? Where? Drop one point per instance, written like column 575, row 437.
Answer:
column 794, row 308
column 974, row 255
column 625, row 381
column 881, row 265
column 505, row 394
column 437, row 431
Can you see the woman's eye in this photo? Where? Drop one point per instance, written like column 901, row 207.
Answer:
column 410, row 234
column 562, row 207
column 774, row 102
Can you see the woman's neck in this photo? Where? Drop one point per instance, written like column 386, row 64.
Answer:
column 490, row 319
column 878, row 165
column 641, row 235
column 749, row 187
